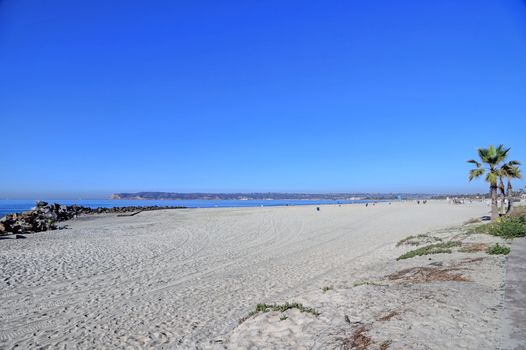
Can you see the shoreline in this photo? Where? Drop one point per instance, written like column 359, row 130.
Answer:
column 28, row 204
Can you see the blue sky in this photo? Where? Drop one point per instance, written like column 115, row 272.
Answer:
column 386, row 96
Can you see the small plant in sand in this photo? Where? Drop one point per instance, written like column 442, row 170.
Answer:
column 283, row 318
column 279, row 308
column 367, row 283
column 385, row 345
column 418, row 240
column 444, row 247
column 497, row 249
column 326, row 289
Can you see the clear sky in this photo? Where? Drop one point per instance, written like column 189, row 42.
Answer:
column 371, row 96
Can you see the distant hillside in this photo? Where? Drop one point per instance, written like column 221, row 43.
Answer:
column 262, row 196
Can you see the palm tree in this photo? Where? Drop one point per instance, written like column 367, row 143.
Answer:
column 490, row 158
column 510, row 170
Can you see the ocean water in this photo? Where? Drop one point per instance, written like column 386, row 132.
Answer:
column 17, row 206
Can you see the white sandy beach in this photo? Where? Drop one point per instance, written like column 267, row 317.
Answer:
column 178, row 279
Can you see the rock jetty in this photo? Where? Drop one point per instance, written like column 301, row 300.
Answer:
column 44, row 216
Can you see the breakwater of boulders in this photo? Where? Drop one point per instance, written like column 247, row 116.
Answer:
column 44, row 216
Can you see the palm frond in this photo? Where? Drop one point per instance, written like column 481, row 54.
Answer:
column 473, row 161
column 484, row 154
column 515, row 173
column 491, row 177
column 510, row 169
column 474, row 173
column 501, row 153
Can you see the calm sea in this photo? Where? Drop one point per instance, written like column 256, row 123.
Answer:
column 17, row 206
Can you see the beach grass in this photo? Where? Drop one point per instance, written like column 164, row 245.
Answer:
column 262, row 307
column 438, row 248
column 418, row 240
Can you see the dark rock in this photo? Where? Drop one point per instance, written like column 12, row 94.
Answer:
column 44, row 217
column 20, row 237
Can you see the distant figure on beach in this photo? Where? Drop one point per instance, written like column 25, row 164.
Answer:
column 318, row 208
column 366, row 205
column 417, row 202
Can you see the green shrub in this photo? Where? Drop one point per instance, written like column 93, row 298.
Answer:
column 438, row 248
column 506, row 227
column 511, row 228
column 498, row 249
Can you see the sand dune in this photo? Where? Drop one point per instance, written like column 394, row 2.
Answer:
column 183, row 278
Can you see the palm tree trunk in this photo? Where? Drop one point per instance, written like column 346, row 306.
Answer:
column 503, row 194
column 494, row 201
column 510, row 199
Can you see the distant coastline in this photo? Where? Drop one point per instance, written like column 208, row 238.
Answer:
column 264, row 196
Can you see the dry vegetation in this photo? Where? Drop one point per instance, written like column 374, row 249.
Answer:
column 385, row 345
column 389, row 316
column 360, row 340
column 472, row 221
column 427, row 274
column 473, row 247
